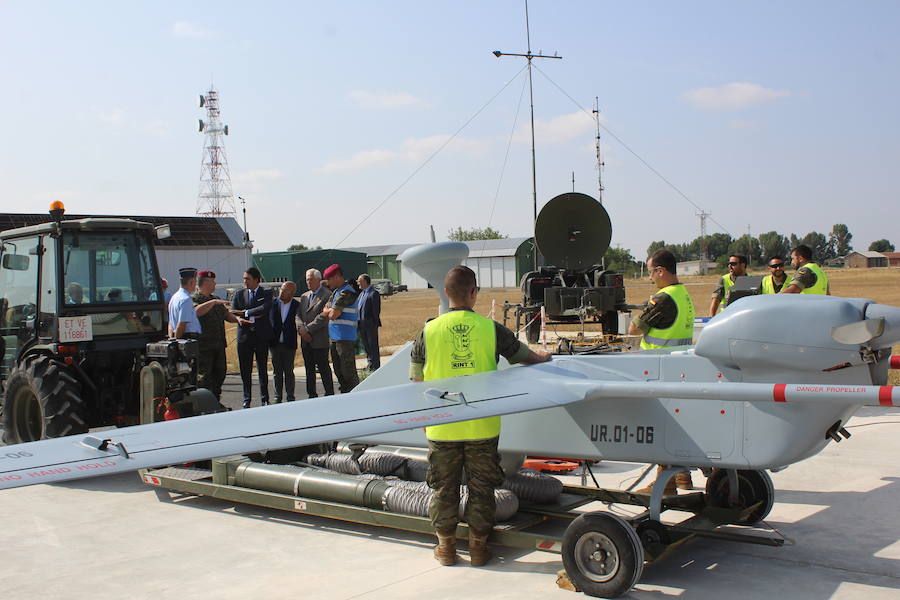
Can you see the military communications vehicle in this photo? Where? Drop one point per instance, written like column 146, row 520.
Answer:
column 572, row 232
column 83, row 335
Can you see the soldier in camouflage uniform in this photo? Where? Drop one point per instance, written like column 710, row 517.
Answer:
column 810, row 278
column 462, row 342
column 212, row 312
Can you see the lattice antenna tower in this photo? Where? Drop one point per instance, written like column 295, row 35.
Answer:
column 704, row 245
column 600, row 163
column 215, row 198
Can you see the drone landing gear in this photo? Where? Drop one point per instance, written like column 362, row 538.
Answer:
column 751, row 492
column 604, row 554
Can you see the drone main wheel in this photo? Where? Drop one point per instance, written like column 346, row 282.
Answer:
column 753, row 487
column 602, row 555
column 652, row 533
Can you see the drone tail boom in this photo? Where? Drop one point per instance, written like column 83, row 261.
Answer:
column 850, row 395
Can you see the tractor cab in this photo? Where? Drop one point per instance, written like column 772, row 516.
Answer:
column 81, row 316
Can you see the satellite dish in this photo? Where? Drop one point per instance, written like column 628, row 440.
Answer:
column 202, row 100
column 201, row 125
column 573, row 231
column 226, row 130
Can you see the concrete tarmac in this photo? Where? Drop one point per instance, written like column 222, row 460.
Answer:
column 114, row 537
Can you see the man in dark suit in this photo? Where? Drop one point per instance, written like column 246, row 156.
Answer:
column 369, row 320
column 283, row 346
column 253, row 307
column 314, row 334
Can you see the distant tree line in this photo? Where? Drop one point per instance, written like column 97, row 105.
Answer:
column 719, row 246
column 475, row 233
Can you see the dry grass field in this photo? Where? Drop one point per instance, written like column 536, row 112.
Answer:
column 404, row 314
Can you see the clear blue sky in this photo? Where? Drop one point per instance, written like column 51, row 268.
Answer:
column 772, row 115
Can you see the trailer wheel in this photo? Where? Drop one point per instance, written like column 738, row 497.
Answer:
column 753, row 487
column 602, row 555
column 42, row 400
column 533, row 327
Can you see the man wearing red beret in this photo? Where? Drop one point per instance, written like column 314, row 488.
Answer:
column 212, row 313
column 342, row 312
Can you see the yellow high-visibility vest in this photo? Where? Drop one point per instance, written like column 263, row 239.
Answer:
column 821, row 285
column 681, row 331
column 461, row 342
column 768, row 284
column 727, row 283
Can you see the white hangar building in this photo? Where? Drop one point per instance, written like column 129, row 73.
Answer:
column 497, row 263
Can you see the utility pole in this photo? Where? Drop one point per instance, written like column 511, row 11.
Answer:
column 749, row 247
column 600, row 162
column 529, row 56
column 247, row 242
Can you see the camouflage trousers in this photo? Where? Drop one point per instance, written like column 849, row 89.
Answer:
column 211, row 369
column 343, row 357
column 446, row 461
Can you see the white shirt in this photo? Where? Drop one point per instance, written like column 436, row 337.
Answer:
column 285, row 307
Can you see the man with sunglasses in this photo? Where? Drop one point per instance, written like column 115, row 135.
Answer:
column 667, row 321
column 775, row 280
column 737, row 267
column 810, row 278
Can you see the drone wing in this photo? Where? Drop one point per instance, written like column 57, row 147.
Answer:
column 311, row 421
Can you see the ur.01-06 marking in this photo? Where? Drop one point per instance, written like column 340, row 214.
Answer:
column 622, row 434
column 21, row 454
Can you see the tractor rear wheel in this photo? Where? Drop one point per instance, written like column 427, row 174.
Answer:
column 42, row 400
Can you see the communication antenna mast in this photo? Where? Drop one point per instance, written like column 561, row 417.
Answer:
column 600, row 163
column 528, row 55
column 704, row 245
column 215, row 198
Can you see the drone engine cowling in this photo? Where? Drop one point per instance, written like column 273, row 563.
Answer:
column 796, row 338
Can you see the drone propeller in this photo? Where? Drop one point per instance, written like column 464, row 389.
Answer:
column 859, row 332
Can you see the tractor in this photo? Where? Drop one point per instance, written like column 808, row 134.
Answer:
column 83, row 333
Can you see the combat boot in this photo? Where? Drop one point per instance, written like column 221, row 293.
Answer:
column 669, row 490
column 445, row 551
column 479, row 554
column 683, row 481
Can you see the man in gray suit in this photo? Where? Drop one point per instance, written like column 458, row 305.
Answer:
column 312, row 326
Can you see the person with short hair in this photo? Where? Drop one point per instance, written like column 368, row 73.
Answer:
column 74, row 293
column 212, row 312
column 313, row 331
column 369, row 320
column 777, row 277
column 183, row 321
column 737, row 267
column 462, row 342
column 252, row 306
column 667, row 321
column 342, row 312
column 167, row 293
column 283, row 346
column 810, row 278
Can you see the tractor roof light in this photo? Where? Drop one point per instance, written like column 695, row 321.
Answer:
column 57, row 209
